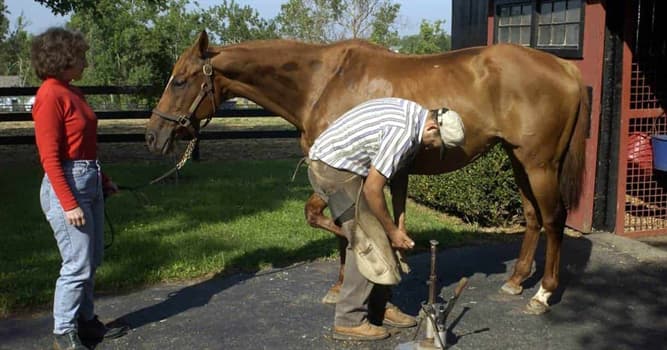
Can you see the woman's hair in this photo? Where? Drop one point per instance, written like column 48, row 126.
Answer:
column 56, row 50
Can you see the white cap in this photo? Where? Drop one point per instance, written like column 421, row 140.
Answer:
column 451, row 127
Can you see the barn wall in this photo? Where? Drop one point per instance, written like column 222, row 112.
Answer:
column 469, row 23
column 591, row 69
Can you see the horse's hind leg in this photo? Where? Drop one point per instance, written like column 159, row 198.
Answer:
column 544, row 182
column 314, row 211
column 332, row 294
column 524, row 263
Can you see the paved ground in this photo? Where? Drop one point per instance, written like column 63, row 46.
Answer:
column 614, row 296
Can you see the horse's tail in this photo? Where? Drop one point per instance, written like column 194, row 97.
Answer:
column 572, row 169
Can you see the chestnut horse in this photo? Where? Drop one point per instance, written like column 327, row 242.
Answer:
column 532, row 102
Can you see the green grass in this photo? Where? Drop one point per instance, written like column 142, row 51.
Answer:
column 221, row 217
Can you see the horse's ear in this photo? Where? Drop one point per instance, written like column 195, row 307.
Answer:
column 201, row 44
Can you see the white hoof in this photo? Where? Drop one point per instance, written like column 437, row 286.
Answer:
column 331, row 297
column 511, row 289
column 536, row 307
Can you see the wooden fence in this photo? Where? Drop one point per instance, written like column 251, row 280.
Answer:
column 143, row 113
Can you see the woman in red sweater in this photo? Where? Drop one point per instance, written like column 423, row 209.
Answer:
column 72, row 191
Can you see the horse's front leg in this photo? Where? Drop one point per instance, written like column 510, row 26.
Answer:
column 314, row 211
column 553, row 219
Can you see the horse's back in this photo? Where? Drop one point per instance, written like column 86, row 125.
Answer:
column 474, row 74
column 516, row 87
column 522, row 97
column 503, row 92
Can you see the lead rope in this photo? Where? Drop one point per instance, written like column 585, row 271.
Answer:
column 111, row 229
column 298, row 165
column 207, row 69
column 184, row 159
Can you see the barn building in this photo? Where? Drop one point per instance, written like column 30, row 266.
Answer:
column 620, row 48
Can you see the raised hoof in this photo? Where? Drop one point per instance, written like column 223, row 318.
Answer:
column 536, row 307
column 511, row 289
column 331, row 297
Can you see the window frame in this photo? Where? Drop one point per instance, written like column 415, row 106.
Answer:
column 534, row 27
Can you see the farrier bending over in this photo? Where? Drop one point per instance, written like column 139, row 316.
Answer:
column 350, row 163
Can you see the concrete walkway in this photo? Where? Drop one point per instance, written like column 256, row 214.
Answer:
column 613, row 296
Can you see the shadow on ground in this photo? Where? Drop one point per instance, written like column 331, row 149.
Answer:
column 199, row 294
column 608, row 300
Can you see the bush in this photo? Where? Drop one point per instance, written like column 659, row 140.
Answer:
column 484, row 192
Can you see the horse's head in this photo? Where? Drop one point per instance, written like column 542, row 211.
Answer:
column 189, row 97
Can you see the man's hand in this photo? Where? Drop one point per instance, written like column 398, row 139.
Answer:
column 373, row 190
column 400, row 239
column 75, row 217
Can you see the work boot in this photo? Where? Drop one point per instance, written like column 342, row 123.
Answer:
column 362, row 332
column 396, row 318
column 94, row 329
column 68, row 341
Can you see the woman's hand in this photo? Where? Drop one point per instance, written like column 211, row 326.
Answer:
column 75, row 217
column 399, row 239
column 109, row 188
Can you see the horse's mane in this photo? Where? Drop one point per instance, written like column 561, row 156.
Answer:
column 289, row 44
column 361, row 45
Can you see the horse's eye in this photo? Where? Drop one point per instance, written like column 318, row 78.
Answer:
column 178, row 83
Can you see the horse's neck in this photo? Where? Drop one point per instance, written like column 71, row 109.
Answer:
column 278, row 77
column 308, row 85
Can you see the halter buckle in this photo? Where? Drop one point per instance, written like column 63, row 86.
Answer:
column 183, row 121
column 207, row 69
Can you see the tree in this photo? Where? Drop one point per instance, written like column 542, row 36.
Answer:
column 331, row 20
column 62, row 7
column 4, row 21
column 14, row 46
column 15, row 56
column 384, row 30
column 432, row 38
column 135, row 42
column 229, row 23
column 138, row 42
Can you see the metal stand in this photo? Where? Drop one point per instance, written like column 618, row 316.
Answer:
column 434, row 313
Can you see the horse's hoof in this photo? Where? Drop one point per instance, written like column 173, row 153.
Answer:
column 511, row 289
column 536, row 307
column 331, row 297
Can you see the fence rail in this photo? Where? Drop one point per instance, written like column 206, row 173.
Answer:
column 138, row 114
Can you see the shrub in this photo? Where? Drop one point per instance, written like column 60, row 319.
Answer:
column 484, row 192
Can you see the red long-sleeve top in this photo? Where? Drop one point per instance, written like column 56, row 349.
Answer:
column 65, row 129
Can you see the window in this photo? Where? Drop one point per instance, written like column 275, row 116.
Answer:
column 551, row 25
column 514, row 24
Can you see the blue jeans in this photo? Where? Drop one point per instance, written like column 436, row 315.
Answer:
column 81, row 248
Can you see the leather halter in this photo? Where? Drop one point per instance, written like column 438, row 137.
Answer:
column 207, row 88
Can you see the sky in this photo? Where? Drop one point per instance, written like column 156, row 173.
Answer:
column 412, row 12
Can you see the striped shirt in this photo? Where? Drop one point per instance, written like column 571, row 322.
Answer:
column 385, row 133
